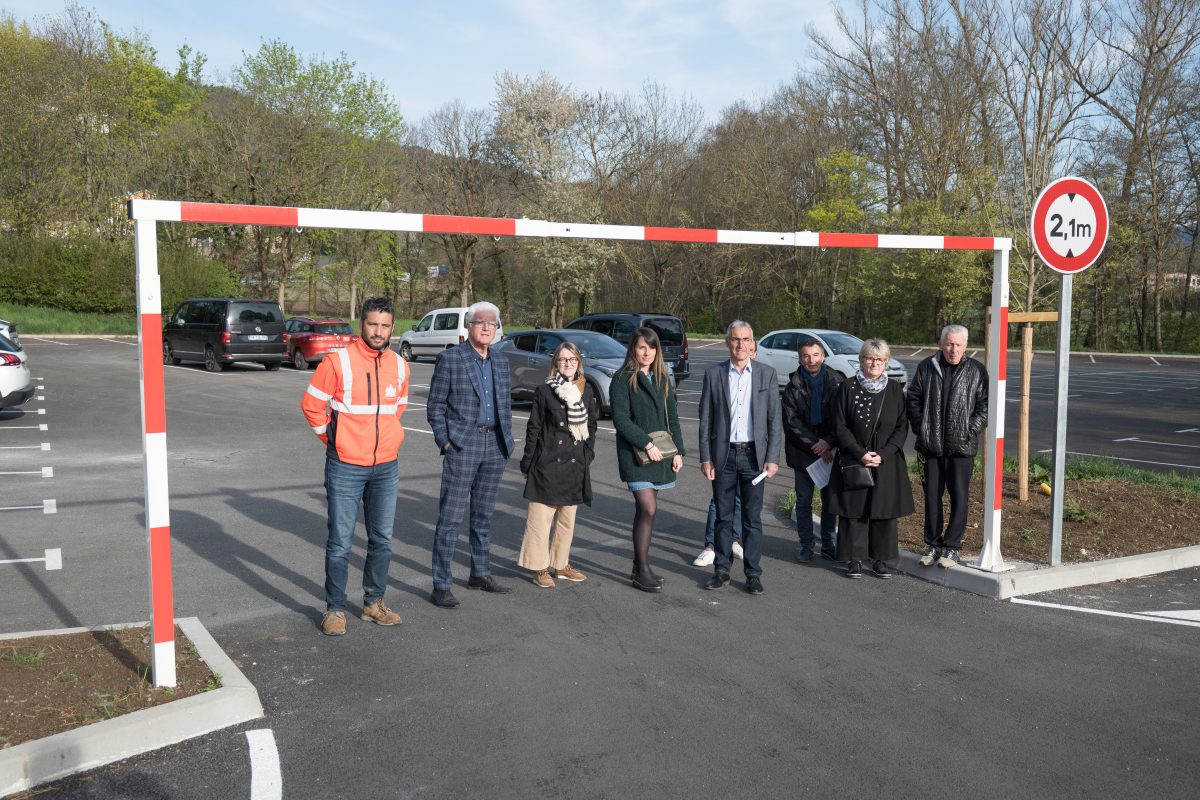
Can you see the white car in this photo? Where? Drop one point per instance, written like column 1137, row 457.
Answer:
column 15, row 384
column 9, row 330
column 780, row 349
column 437, row 330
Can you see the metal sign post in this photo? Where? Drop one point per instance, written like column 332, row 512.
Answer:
column 1069, row 227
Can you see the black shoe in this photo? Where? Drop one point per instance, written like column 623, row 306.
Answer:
column 717, row 581
column 754, row 585
column 488, row 584
column 642, row 578
column 854, row 570
column 443, row 598
column 881, row 570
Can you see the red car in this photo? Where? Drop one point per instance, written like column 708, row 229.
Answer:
column 312, row 338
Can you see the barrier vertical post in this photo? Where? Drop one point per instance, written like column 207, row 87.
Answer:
column 993, row 459
column 154, row 452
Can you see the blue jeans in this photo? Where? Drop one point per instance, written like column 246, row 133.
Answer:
column 710, row 528
column 804, row 520
column 736, row 477
column 347, row 485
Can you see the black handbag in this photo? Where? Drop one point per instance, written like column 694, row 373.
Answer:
column 855, row 474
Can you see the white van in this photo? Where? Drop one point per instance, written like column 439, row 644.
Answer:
column 437, row 330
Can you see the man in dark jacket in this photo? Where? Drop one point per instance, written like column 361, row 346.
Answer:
column 947, row 410
column 808, row 432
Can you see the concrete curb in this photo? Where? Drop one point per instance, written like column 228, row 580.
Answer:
column 1028, row 579
column 32, row 763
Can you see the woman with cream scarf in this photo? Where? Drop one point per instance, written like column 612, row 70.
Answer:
column 559, row 447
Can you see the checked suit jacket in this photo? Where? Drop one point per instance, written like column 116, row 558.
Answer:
column 453, row 410
column 764, row 414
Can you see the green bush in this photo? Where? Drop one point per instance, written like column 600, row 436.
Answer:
column 94, row 275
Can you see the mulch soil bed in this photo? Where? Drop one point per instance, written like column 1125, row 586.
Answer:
column 50, row 684
column 1113, row 519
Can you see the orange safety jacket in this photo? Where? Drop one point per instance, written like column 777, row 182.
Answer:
column 354, row 404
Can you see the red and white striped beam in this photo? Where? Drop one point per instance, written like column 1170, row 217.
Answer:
column 146, row 213
column 288, row 217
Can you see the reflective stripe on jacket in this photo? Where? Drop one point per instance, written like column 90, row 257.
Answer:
column 354, row 404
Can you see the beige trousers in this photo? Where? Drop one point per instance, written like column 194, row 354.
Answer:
column 542, row 547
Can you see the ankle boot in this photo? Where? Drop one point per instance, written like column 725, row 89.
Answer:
column 642, row 578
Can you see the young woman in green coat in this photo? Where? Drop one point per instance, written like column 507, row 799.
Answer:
column 643, row 400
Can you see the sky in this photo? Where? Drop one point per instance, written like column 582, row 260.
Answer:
column 430, row 53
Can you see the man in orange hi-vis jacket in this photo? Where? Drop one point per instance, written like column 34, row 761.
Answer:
column 354, row 404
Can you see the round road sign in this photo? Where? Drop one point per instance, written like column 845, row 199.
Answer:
column 1069, row 225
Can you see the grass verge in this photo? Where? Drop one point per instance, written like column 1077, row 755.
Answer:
column 40, row 319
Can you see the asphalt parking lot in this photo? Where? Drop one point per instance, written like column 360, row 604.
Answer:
column 821, row 686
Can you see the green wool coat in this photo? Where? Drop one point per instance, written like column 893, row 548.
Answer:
column 634, row 415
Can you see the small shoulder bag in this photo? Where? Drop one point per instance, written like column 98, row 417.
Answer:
column 663, row 440
column 855, row 474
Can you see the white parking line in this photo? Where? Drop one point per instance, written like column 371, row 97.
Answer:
column 42, row 446
column 116, row 341
column 1155, row 360
column 702, row 346
column 52, row 559
column 44, row 427
column 1148, row 441
column 1133, row 460
column 1103, row 613
column 47, row 507
column 1189, row 430
column 27, row 338
column 266, row 782
column 1092, row 357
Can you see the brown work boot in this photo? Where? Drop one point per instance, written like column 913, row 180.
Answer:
column 380, row 614
column 542, row 578
column 569, row 573
column 334, row 623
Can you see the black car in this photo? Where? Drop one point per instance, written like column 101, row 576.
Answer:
column 225, row 330
column 620, row 325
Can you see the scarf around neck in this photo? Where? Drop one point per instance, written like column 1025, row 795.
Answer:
column 872, row 386
column 572, row 397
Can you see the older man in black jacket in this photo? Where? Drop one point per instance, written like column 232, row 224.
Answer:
column 808, row 436
column 947, row 410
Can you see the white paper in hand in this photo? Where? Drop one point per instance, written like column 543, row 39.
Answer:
column 820, row 471
column 762, row 476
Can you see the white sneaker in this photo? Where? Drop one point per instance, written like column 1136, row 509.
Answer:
column 737, row 550
column 706, row 558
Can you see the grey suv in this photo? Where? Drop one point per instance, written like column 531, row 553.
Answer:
column 620, row 325
column 224, row 330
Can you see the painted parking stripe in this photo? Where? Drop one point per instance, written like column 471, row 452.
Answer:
column 116, row 341
column 1147, row 617
column 45, row 446
column 45, row 472
column 27, row 338
column 1119, row 458
column 47, row 507
column 266, row 782
column 52, row 559
column 1164, row 444
column 45, row 427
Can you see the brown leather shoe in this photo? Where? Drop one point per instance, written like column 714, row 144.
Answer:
column 380, row 614
column 334, row 623
column 542, row 578
column 569, row 573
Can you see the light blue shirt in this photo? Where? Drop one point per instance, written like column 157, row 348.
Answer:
column 741, row 425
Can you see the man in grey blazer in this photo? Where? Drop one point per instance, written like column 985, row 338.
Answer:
column 741, row 434
column 470, row 413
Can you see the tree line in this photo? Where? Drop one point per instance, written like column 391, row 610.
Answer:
column 913, row 116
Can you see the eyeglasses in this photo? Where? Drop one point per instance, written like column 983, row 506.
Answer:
column 567, row 361
column 874, row 360
column 485, row 324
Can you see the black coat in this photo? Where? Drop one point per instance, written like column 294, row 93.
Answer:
column 635, row 414
column 891, row 497
column 800, row 436
column 558, row 469
column 959, row 434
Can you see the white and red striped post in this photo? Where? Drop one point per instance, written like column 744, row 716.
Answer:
column 147, row 213
column 154, row 452
column 990, row 559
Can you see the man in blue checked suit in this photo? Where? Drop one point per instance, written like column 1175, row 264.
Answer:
column 470, row 412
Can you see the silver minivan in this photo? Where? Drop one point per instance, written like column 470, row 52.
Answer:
column 437, row 330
